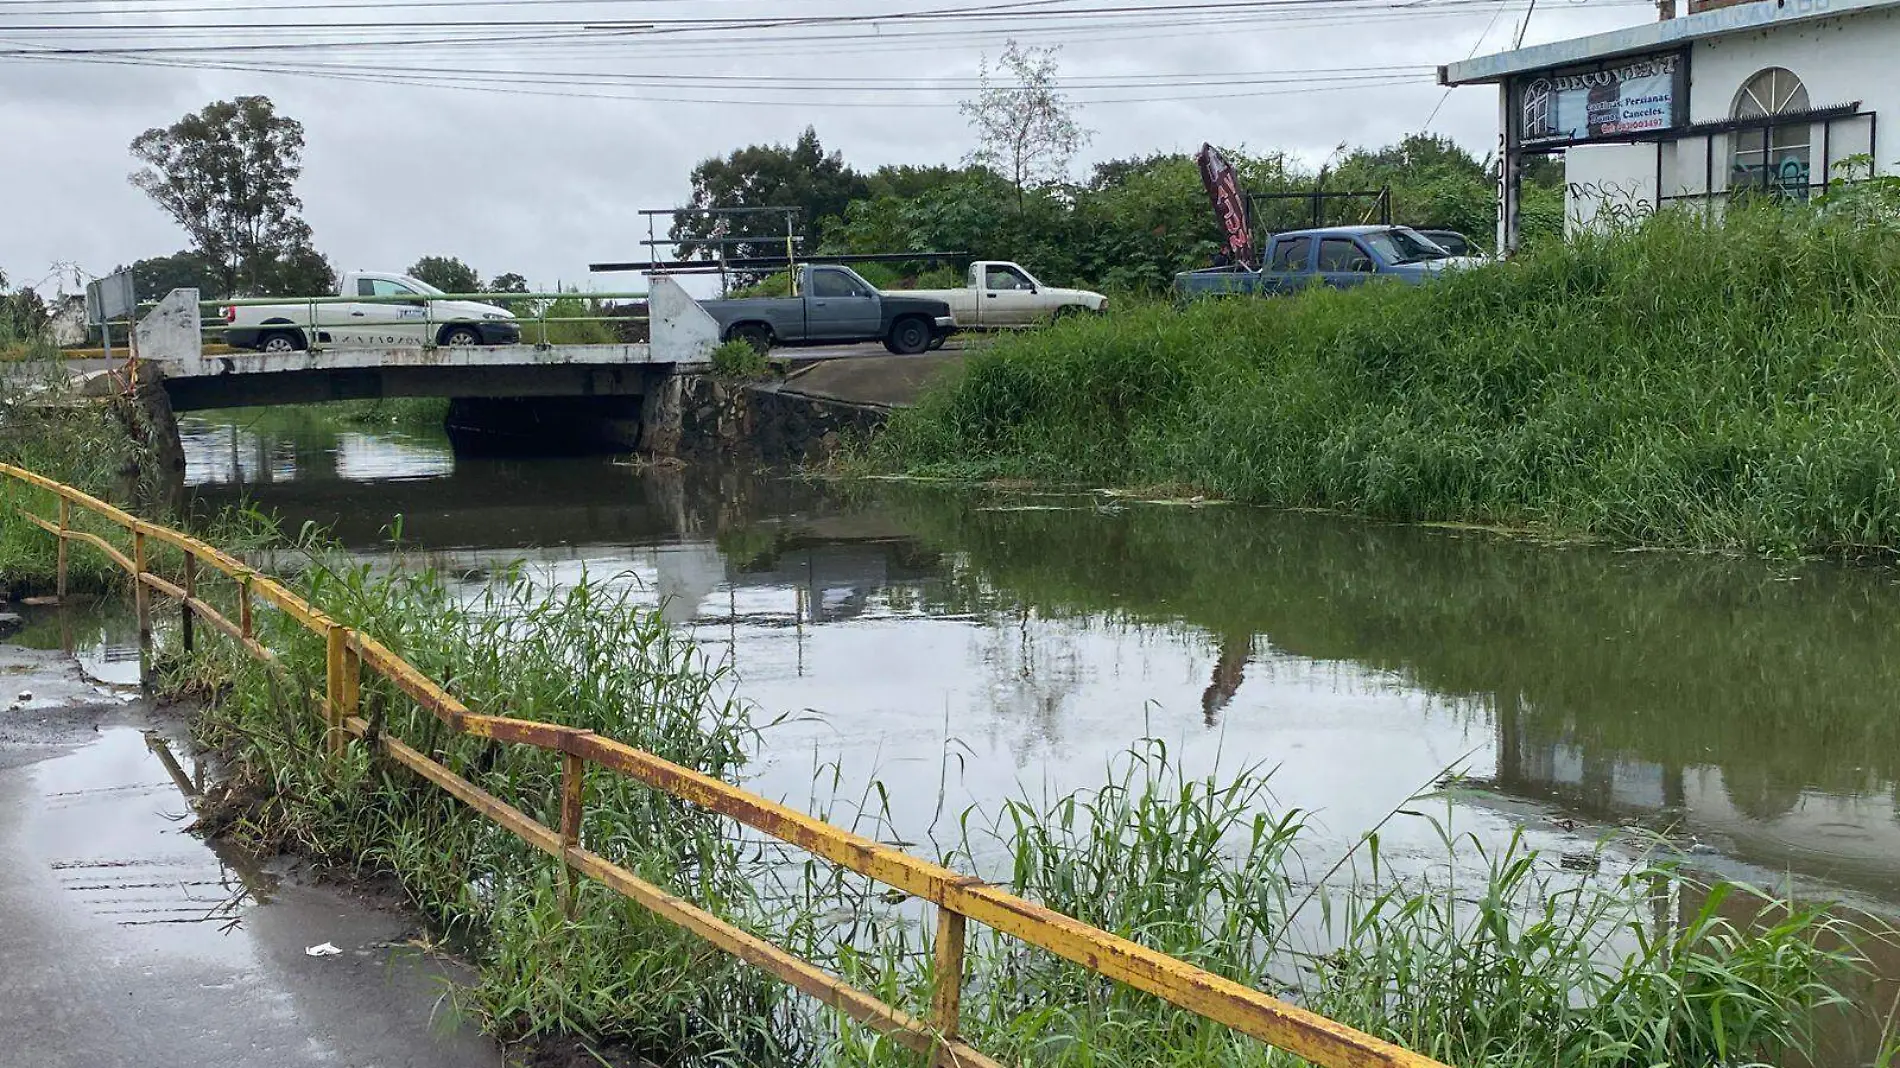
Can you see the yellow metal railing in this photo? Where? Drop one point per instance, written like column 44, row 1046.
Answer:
column 958, row 898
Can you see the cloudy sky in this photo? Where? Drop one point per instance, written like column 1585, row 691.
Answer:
column 524, row 135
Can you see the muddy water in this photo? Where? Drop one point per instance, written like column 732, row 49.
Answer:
column 961, row 646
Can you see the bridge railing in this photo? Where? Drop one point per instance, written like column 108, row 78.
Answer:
column 532, row 311
column 957, row 897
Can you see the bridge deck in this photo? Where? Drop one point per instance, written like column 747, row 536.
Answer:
column 250, row 379
column 342, row 358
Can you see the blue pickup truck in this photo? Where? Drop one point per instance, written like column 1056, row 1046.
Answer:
column 1338, row 256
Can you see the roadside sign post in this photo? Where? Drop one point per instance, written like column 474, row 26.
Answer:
column 109, row 299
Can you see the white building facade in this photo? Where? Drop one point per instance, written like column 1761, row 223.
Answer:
column 1770, row 98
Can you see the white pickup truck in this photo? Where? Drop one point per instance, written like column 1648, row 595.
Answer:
column 409, row 312
column 1002, row 295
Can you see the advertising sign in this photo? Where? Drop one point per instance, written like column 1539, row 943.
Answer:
column 1623, row 98
column 1230, row 206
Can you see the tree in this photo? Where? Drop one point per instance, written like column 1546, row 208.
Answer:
column 909, row 182
column 156, row 276
column 227, row 175
column 508, row 283
column 1435, row 184
column 295, row 271
column 802, row 176
column 1025, row 127
column 23, row 315
column 446, row 273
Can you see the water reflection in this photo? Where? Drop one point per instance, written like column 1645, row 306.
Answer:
column 1744, row 703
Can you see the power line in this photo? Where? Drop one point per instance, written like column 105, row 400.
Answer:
column 1021, row 10
column 828, row 44
column 398, row 76
column 1475, row 45
column 573, row 38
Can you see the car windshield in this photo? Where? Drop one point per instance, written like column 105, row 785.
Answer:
column 1399, row 245
column 421, row 286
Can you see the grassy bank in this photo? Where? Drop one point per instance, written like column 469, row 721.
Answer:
column 1525, row 964
column 1680, row 383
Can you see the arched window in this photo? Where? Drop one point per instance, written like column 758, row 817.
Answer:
column 1772, row 156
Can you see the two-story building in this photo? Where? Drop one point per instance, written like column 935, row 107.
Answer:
column 1774, row 97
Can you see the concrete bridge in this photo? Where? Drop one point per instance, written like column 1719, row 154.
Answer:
column 653, row 397
column 619, row 395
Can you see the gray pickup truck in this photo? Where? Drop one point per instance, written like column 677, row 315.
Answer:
column 1339, row 256
column 834, row 305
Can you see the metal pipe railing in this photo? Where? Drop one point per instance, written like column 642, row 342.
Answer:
column 958, row 898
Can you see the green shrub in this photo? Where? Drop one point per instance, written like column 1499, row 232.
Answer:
column 738, row 360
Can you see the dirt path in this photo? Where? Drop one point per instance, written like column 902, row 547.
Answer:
column 125, row 941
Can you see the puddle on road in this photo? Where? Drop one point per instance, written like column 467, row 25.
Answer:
column 116, row 911
column 114, row 829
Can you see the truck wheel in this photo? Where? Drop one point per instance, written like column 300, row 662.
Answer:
column 908, row 337
column 460, row 336
column 753, row 334
column 280, row 342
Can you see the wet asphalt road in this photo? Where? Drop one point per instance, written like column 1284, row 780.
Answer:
column 125, row 941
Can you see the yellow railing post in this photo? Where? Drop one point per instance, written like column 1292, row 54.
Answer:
column 244, row 607
column 573, row 792
column 185, row 636
column 946, row 1001
column 339, row 695
column 142, row 603
column 65, row 522
column 352, row 685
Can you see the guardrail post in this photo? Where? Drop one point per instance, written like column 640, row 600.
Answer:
column 186, row 638
column 65, row 521
column 946, row 1000
column 339, row 693
column 142, row 602
column 244, row 607
column 573, row 791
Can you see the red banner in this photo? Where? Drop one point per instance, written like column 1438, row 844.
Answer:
column 1230, row 206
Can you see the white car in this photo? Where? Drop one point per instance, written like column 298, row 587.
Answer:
column 412, row 312
column 1002, row 295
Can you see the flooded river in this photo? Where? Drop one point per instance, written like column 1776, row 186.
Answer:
column 963, row 646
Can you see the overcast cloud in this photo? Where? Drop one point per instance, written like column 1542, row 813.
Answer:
column 545, row 184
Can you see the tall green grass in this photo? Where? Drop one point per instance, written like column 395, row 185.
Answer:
column 1727, row 386
column 95, row 444
column 1490, row 954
